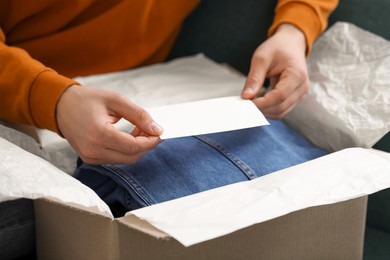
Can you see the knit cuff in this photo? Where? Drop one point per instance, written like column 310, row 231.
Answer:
column 46, row 90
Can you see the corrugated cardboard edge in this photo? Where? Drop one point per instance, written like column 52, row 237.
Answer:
column 334, row 231
column 134, row 222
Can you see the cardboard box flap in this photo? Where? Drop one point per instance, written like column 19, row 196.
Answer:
column 324, row 232
column 340, row 176
column 332, row 231
column 134, row 222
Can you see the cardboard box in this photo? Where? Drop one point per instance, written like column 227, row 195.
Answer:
column 68, row 231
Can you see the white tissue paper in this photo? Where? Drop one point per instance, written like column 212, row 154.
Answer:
column 343, row 58
column 349, row 101
column 24, row 175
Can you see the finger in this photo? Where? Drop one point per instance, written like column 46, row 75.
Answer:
column 135, row 114
column 273, row 81
column 282, row 109
column 255, row 79
column 105, row 156
column 126, row 143
column 143, row 134
column 136, row 132
column 273, row 98
column 287, row 85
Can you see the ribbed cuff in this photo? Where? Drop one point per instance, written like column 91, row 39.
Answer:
column 46, row 90
column 303, row 17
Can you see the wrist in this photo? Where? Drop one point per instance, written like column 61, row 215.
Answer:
column 62, row 105
column 293, row 35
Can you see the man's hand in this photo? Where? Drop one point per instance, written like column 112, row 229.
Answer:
column 282, row 59
column 86, row 118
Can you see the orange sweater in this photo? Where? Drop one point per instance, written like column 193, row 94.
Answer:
column 43, row 43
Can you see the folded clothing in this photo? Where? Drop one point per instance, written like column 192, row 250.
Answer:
column 183, row 166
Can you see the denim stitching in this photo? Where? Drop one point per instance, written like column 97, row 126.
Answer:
column 136, row 187
column 249, row 173
column 128, row 199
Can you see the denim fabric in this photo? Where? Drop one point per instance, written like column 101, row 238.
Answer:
column 184, row 166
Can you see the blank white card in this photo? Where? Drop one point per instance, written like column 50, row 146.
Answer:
column 207, row 116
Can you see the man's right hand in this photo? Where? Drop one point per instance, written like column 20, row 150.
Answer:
column 86, row 118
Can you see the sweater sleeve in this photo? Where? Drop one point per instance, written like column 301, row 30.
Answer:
column 29, row 91
column 310, row 16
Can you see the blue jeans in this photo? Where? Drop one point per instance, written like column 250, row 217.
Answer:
column 184, row 166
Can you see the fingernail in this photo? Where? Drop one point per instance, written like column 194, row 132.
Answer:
column 248, row 91
column 156, row 128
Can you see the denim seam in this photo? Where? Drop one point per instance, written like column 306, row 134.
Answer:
column 128, row 199
column 132, row 183
column 249, row 173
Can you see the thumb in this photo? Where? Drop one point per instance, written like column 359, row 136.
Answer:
column 256, row 76
column 135, row 114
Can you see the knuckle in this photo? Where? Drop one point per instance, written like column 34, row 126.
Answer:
column 306, row 87
column 259, row 57
column 279, row 109
column 278, row 112
column 142, row 114
column 94, row 138
column 301, row 98
column 282, row 96
column 302, row 75
column 278, row 116
column 105, row 135
column 88, row 149
column 133, row 149
column 252, row 79
column 88, row 155
column 115, row 96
